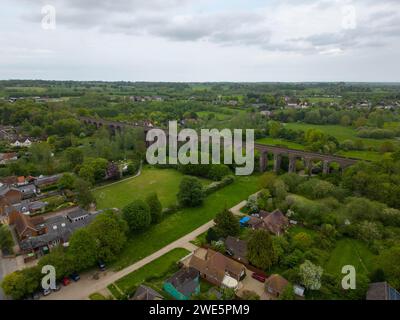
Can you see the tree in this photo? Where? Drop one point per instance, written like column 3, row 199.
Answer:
column 390, row 263
column 109, row 230
column 113, row 172
column 226, row 224
column 59, row 260
column 190, row 192
column 262, row 199
column 6, row 239
column 74, row 156
column 302, row 240
column 82, row 248
column 155, row 207
column 288, row 293
column 19, row 284
column 66, row 182
column 260, row 250
column 311, row 275
column 137, row 215
column 83, row 194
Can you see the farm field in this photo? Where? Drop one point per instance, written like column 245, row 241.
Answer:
column 176, row 225
column 163, row 181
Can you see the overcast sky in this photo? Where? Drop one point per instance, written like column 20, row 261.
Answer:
column 201, row 40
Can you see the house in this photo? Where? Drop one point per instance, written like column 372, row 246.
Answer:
column 28, row 190
column 10, row 180
column 146, row 293
column 77, row 215
column 382, row 291
column 27, row 143
column 8, row 157
column 46, row 181
column 26, row 226
column 217, row 268
column 183, row 284
column 21, row 181
column 8, row 197
column 237, row 249
column 58, row 231
column 276, row 222
column 275, row 285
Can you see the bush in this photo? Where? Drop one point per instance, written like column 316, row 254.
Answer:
column 155, row 207
column 214, row 186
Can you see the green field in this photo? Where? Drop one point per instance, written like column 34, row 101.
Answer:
column 163, row 181
column 339, row 132
column 350, row 252
column 176, row 225
column 154, row 273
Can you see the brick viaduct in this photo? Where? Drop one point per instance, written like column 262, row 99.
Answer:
column 264, row 150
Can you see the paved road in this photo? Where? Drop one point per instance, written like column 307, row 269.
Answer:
column 87, row 285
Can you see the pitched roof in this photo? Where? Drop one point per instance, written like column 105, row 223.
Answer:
column 237, row 247
column 276, row 222
column 146, row 293
column 185, row 280
column 276, row 282
column 382, row 291
column 23, row 222
column 215, row 265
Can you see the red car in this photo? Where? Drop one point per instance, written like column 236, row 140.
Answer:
column 258, row 277
column 66, row 281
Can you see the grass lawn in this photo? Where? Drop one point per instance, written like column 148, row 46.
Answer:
column 293, row 230
column 176, row 225
column 280, row 142
column 163, row 181
column 154, row 273
column 97, row 296
column 350, row 252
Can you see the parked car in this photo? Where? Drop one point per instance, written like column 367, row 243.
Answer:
column 46, row 292
column 75, row 276
column 101, row 265
column 66, row 281
column 58, row 287
column 258, row 277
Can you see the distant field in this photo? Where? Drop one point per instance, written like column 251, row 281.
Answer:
column 218, row 116
column 281, row 142
column 350, row 252
column 339, row 132
column 163, row 181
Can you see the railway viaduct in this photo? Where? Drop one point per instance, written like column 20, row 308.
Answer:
column 264, row 150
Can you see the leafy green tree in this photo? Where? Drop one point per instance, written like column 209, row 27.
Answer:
column 226, row 224
column 20, row 284
column 302, row 241
column 6, row 239
column 61, row 261
column 66, row 182
column 288, row 293
column 155, row 207
column 311, row 275
column 390, row 263
column 84, row 195
column 260, row 251
column 74, row 157
column 137, row 215
column 82, row 248
column 109, row 230
column 190, row 192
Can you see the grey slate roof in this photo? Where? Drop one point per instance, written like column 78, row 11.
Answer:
column 146, row 293
column 185, row 281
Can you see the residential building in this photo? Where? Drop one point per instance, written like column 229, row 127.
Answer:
column 146, row 293
column 46, row 181
column 183, row 284
column 28, row 190
column 275, row 285
column 237, row 249
column 275, row 222
column 8, row 157
column 382, row 291
column 217, row 268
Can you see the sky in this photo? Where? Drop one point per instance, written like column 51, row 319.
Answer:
column 201, row 40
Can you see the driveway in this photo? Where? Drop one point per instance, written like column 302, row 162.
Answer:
column 251, row 284
column 7, row 265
